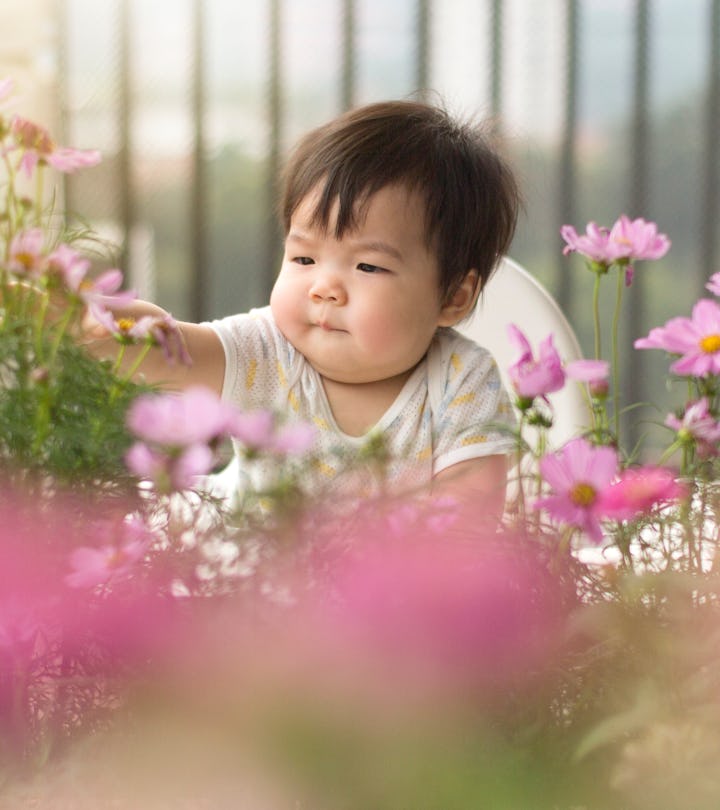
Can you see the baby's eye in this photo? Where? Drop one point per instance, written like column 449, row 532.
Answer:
column 371, row 268
column 304, row 260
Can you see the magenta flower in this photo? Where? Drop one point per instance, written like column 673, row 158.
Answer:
column 27, row 254
column 259, row 432
column 697, row 339
column 535, row 377
column 697, row 426
column 638, row 490
column 38, row 147
column 195, row 416
column 714, row 284
column 110, row 561
column 578, row 474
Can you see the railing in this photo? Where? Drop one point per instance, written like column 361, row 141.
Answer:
column 565, row 196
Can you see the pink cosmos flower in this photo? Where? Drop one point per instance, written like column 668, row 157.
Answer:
column 589, row 371
column 593, row 243
column 259, row 432
column 100, row 565
column 697, row 425
column 195, row 416
column 27, row 254
column 697, row 339
column 535, row 377
column 37, row 146
column 714, row 284
column 593, row 372
column 578, row 474
column 162, row 331
column 638, row 490
column 168, row 471
column 627, row 241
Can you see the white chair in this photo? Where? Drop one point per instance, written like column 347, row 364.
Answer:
column 514, row 296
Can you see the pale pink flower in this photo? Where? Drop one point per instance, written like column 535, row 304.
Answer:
column 27, row 255
column 170, row 471
column 697, row 339
column 628, row 240
column 637, row 239
column 578, row 474
column 194, row 416
column 593, row 243
column 258, row 432
column 697, row 425
column 714, row 284
column 70, row 265
column 638, row 490
column 589, row 371
column 593, row 372
column 535, row 377
column 37, row 146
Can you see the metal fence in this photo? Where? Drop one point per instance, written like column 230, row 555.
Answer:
column 568, row 190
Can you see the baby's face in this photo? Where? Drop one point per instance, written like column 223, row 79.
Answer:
column 365, row 307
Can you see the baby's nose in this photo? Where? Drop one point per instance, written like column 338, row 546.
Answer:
column 326, row 287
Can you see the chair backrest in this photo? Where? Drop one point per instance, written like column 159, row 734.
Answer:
column 514, row 296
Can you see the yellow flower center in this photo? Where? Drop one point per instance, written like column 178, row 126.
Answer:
column 27, row 260
column 582, row 494
column 125, row 324
column 710, row 344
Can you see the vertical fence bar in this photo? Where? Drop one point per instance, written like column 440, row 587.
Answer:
column 496, row 49
column 711, row 158
column 273, row 236
column 198, row 200
column 126, row 191
column 637, row 196
column 422, row 64
column 566, row 190
column 348, row 55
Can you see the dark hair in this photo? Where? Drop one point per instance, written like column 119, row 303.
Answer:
column 470, row 194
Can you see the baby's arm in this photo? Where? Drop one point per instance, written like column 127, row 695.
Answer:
column 478, row 484
column 207, row 366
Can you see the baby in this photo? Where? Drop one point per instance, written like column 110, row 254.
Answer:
column 395, row 216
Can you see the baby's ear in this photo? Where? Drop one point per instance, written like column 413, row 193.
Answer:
column 462, row 300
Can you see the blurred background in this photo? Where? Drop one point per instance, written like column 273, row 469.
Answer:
column 607, row 107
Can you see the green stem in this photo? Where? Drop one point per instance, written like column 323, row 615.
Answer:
column 614, row 354
column 596, row 316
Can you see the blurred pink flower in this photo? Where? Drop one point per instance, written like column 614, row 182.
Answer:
column 258, row 432
column 535, row 377
column 100, row 565
column 697, row 339
column 697, row 425
column 27, row 253
column 714, row 284
column 170, row 471
column 578, row 474
column 37, row 146
column 194, row 416
column 638, row 490
column 6, row 88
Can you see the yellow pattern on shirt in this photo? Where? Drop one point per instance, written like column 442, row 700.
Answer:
column 250, row 374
